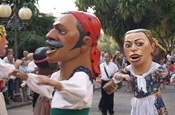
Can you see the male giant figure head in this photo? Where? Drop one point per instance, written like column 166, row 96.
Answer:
column 73, row 41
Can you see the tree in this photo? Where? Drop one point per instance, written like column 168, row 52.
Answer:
column 107, row 44
column 165, row 31
column 119, row 16
column 34, row 35
column 26, row 41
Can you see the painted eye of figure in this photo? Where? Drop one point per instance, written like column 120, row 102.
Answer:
column 139, row 43
column 63, row 32
column 128, row 45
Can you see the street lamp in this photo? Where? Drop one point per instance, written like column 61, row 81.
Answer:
column 15, row 23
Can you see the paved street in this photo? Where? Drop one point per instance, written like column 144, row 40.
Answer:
column 122, row 102
column 24, row 110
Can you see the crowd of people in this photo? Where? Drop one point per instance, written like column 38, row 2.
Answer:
column 71, row 62
column 167, row 62
column 26, row 65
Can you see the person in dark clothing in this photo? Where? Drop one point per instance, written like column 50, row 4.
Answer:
column 44, row 67
column 108, row 68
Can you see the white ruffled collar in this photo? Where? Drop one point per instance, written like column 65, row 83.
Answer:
column 141, row 82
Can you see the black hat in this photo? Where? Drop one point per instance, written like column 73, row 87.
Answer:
column 40, row 57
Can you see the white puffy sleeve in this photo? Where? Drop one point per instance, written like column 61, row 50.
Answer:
column 5, row 69
column 43, row 90
column 77, row 87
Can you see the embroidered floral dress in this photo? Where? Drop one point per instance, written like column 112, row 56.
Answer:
column 147, row 100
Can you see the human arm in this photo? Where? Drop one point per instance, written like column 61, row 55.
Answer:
column 5, row 69
column 19, row 74
column 118, row 77
column 98, row 79
column 44, row 90
column 32, row 81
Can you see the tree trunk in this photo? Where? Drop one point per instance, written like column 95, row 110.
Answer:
column 119, row 41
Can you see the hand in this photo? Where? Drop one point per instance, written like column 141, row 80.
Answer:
column 18, row 74
column 14, row 73
column 98, row 79
column 126, row 76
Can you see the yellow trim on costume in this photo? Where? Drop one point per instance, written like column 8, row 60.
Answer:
column 2, row 32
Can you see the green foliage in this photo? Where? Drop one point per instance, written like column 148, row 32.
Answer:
column 38, row 26
column 107, row 44
column 119, row 16
column 26, row 41
column 41, row 24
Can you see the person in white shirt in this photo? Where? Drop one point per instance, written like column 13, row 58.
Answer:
column 73, row 43
column 108, row 68
column 9, row 58
column 5, row 68
column 25, row 54
column 31, row 65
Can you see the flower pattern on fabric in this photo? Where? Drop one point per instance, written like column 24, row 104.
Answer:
column 152, row 86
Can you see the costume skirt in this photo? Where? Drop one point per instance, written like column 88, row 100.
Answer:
column 56, row 111
column 42, row 106
column 150, row 105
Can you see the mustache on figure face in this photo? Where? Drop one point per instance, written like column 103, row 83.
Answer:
column 53, row 44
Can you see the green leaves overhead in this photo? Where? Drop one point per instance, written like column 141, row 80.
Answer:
column 38, row 26
column 119, row 16
column 26, row 41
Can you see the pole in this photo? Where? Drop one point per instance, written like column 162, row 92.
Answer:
column 17, row 97
column 15, row 31
column 15, row 24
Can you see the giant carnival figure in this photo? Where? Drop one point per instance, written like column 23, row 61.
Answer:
column 73, row 43
column 5, row 68
column 143, row 73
